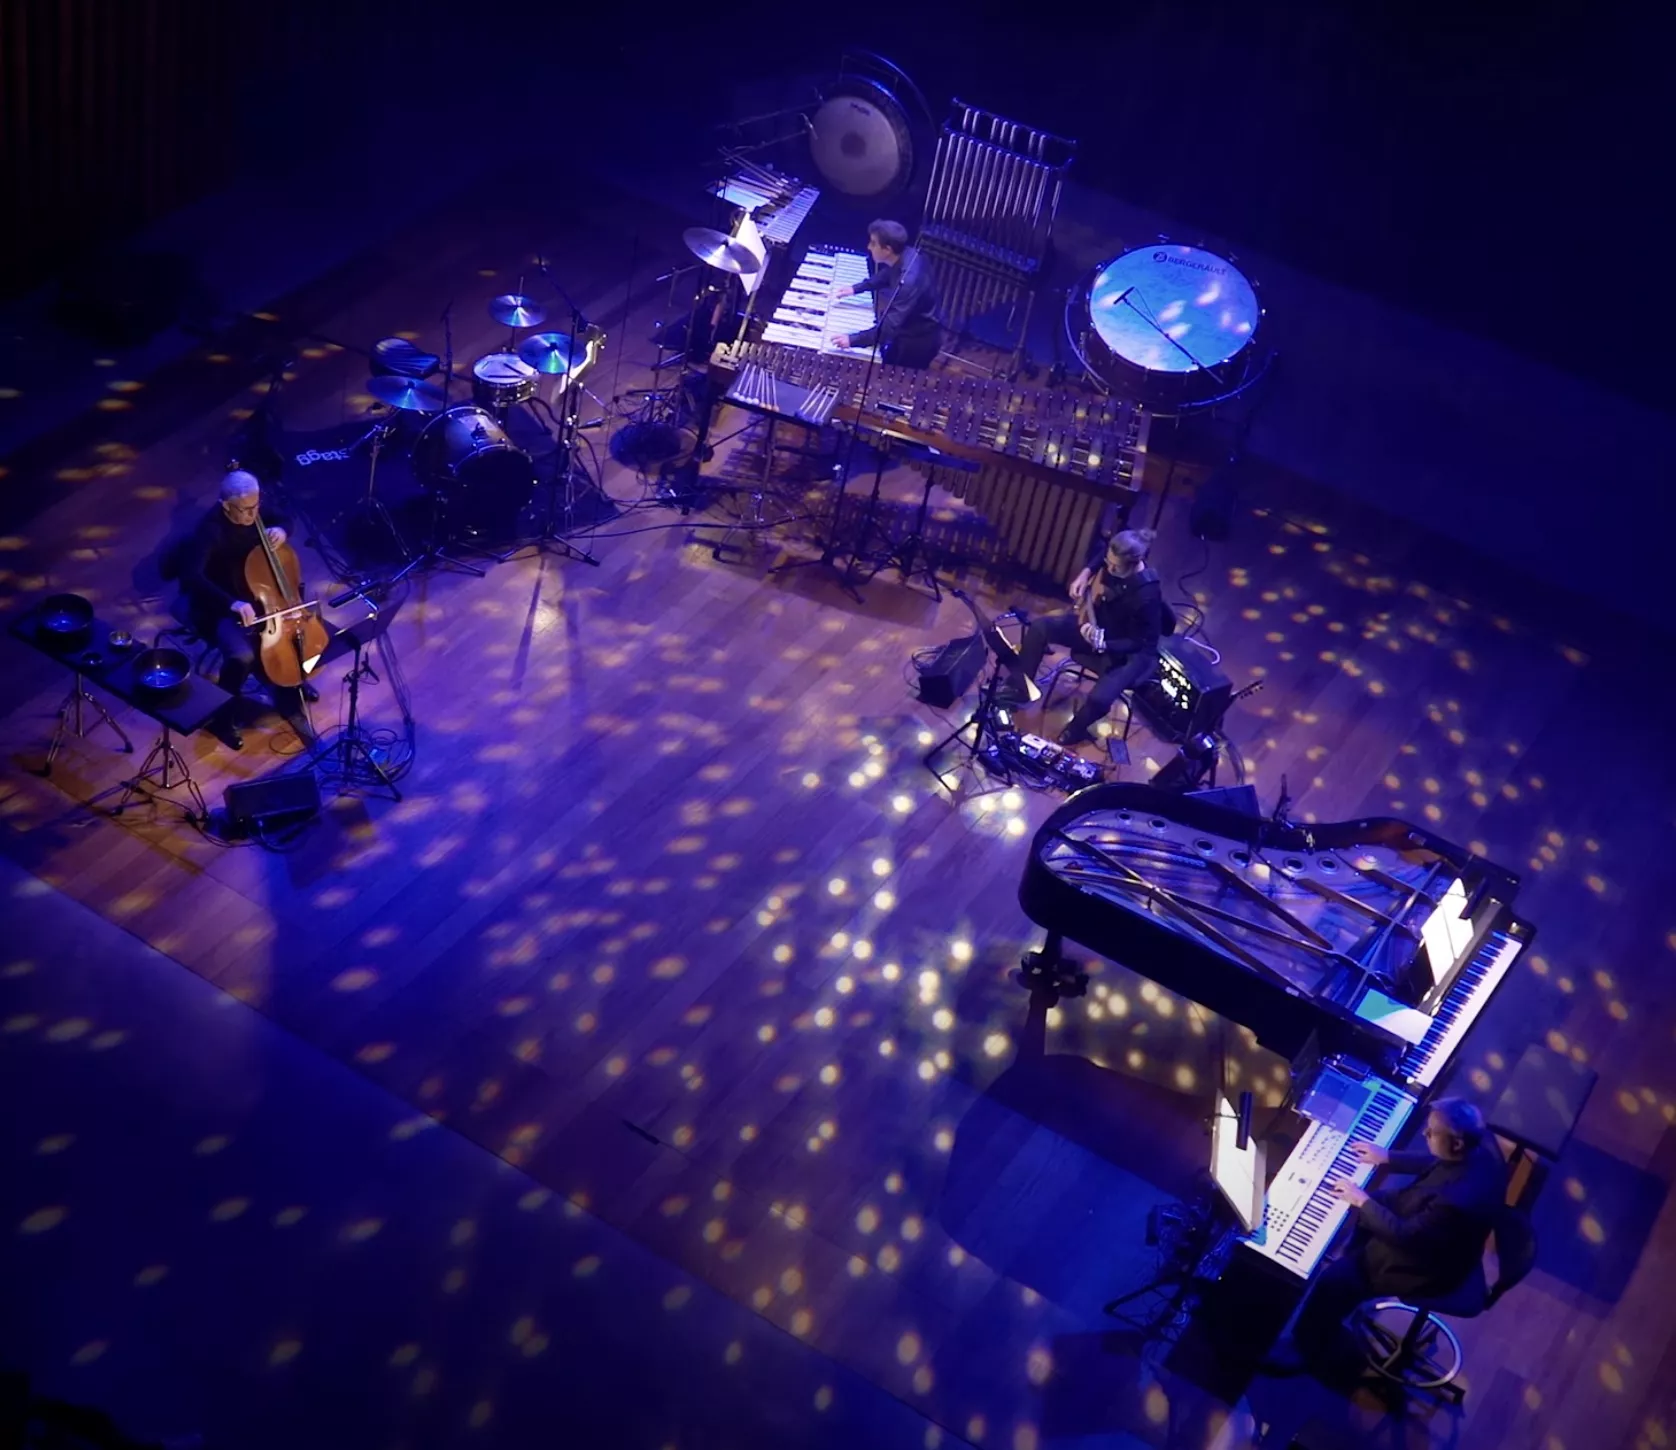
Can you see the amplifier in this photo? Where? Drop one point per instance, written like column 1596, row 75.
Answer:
column 949, row 673
column 1190, row 694
column 290, row 797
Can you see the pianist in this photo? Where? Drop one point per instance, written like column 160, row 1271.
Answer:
column 905, row 300
column 1425, row 1238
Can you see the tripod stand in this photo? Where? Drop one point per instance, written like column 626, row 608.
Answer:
column 72, row 709
column 910, row 557
column 369, row 505
column 979, row 723
column 349, row 754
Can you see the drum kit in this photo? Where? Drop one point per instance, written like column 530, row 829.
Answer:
column 478, row 478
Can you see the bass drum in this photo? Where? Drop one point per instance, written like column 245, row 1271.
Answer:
column 481, row 480
column 1174, row 327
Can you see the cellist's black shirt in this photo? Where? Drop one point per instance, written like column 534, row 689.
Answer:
column 212, row 567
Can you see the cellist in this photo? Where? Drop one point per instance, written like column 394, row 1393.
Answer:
column 213, row 575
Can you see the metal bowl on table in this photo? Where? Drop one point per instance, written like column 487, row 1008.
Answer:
column 65, row 622
column 160, row 672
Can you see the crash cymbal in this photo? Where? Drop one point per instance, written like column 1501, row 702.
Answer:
column 408, row 394
column 716, row 249
column 516, row 310
column 550, row 352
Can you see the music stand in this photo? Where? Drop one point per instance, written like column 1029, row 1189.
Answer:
column 349, row 755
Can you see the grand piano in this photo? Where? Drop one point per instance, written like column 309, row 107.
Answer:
column 1362, row 950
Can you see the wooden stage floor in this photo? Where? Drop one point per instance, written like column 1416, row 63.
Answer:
column 672, row 920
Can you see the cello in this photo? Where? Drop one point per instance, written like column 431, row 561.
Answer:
column 293, row 636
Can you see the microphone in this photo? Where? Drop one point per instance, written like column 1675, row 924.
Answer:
column 1121, row 295
column 337, row 601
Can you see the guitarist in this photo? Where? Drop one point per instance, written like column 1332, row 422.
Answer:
column 1117, row 615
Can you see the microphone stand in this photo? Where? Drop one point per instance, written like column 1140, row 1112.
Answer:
column 1174, row 342
column 349, row 753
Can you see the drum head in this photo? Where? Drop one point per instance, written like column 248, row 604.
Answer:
column 1200, row 300
column 860, row 140
column 504, row 367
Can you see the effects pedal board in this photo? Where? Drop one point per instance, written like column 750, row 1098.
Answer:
column 1052, row 764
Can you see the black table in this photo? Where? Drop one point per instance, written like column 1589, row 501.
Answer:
column 182, row 711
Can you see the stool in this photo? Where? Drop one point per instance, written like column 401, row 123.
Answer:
column 397, row 357
column 1402, row 1336
column 1537, row 1113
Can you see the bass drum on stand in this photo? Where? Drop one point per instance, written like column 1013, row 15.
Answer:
column 1171, row 326
column 480, row 479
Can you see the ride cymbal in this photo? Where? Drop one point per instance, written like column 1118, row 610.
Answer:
column 408, row 394
column 716, row 249
column 550, row 352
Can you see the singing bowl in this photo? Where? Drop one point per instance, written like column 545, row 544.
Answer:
column 65, row 619
column 158, row 671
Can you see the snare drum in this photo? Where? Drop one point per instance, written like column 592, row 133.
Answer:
column 1171, row 325
column 501, row 380
column 481, row 479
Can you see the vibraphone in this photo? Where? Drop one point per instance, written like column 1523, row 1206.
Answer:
column 1052, row 459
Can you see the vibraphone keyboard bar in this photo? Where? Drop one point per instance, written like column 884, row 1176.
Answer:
column 810, row 314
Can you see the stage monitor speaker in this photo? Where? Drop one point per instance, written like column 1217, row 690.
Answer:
column 948, row 674
column 277, row 800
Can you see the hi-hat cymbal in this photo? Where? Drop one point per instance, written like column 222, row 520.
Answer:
column 408, row 394
column 550, row 352
column 716, row 249
column 516, row 310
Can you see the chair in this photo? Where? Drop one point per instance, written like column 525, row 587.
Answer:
column 1408, row 1355
column 1080, row 667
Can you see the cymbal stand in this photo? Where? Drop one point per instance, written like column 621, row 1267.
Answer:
column 566, row 423
column 348, row 754
column 72, row 709
column 369, row 504
column 435, row 552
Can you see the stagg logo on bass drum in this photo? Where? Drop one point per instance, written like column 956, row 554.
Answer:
column 1189, row 262
column 329, row 455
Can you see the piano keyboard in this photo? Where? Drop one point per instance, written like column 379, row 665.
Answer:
column 809, row 316
column 1459, row 1009
column 1301, row 1216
